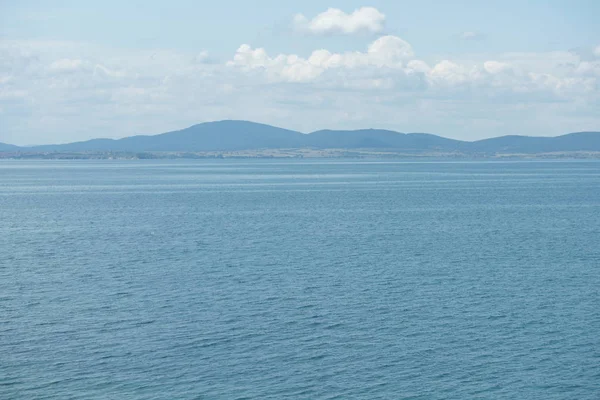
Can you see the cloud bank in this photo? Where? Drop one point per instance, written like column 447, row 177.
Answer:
column 392, row 60
column 75, row 91
column 387, row 51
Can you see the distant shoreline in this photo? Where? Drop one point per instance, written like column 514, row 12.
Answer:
column 232, row 138
column 291, row 154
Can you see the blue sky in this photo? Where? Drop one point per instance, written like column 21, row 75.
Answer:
column 72, row 70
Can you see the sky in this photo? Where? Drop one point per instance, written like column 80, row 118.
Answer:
column 465, row 69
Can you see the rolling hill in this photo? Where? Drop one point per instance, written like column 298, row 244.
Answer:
column 243, row 135
column 578, row 141
column 8, row 147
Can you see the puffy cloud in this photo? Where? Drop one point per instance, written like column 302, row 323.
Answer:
column 247, row 57
column 448, row 73
column 418, row 66
column 588, row 68
column 334, row 20
column 387, row 51
column 496, row 67
column 283, row 67
column 47, row 88
column 389, row 63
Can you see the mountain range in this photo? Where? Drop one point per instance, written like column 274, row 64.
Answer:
column 233, row 135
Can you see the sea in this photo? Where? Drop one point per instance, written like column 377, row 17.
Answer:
column 300, row 279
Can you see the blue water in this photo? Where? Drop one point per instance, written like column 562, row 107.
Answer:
column 317, row 279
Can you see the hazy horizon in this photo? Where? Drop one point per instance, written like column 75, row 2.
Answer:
column 73, row 71
column 280, row 127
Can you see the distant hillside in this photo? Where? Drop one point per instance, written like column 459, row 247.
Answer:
column 8, row 147
column 380, row 139
column 210, row 136
column 579, row 141
column 244, row 135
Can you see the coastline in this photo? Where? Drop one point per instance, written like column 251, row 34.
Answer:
column 292, row 153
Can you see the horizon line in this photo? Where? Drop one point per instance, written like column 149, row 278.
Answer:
column 292, row 130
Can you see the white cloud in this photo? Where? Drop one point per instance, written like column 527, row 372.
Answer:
column 389, row 65
column 47, row 88
column 418, row 66
column 390, row 50
column 448, row 73
column 588, row 68
column 387, row 51
column 283, row 67
column 597, row 51
column 496, row 67
column 202, row 57
column 334, row 20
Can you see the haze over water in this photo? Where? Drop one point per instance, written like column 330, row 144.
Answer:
column 321, row 279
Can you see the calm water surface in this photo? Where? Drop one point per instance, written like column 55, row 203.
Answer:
column 299, row 279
